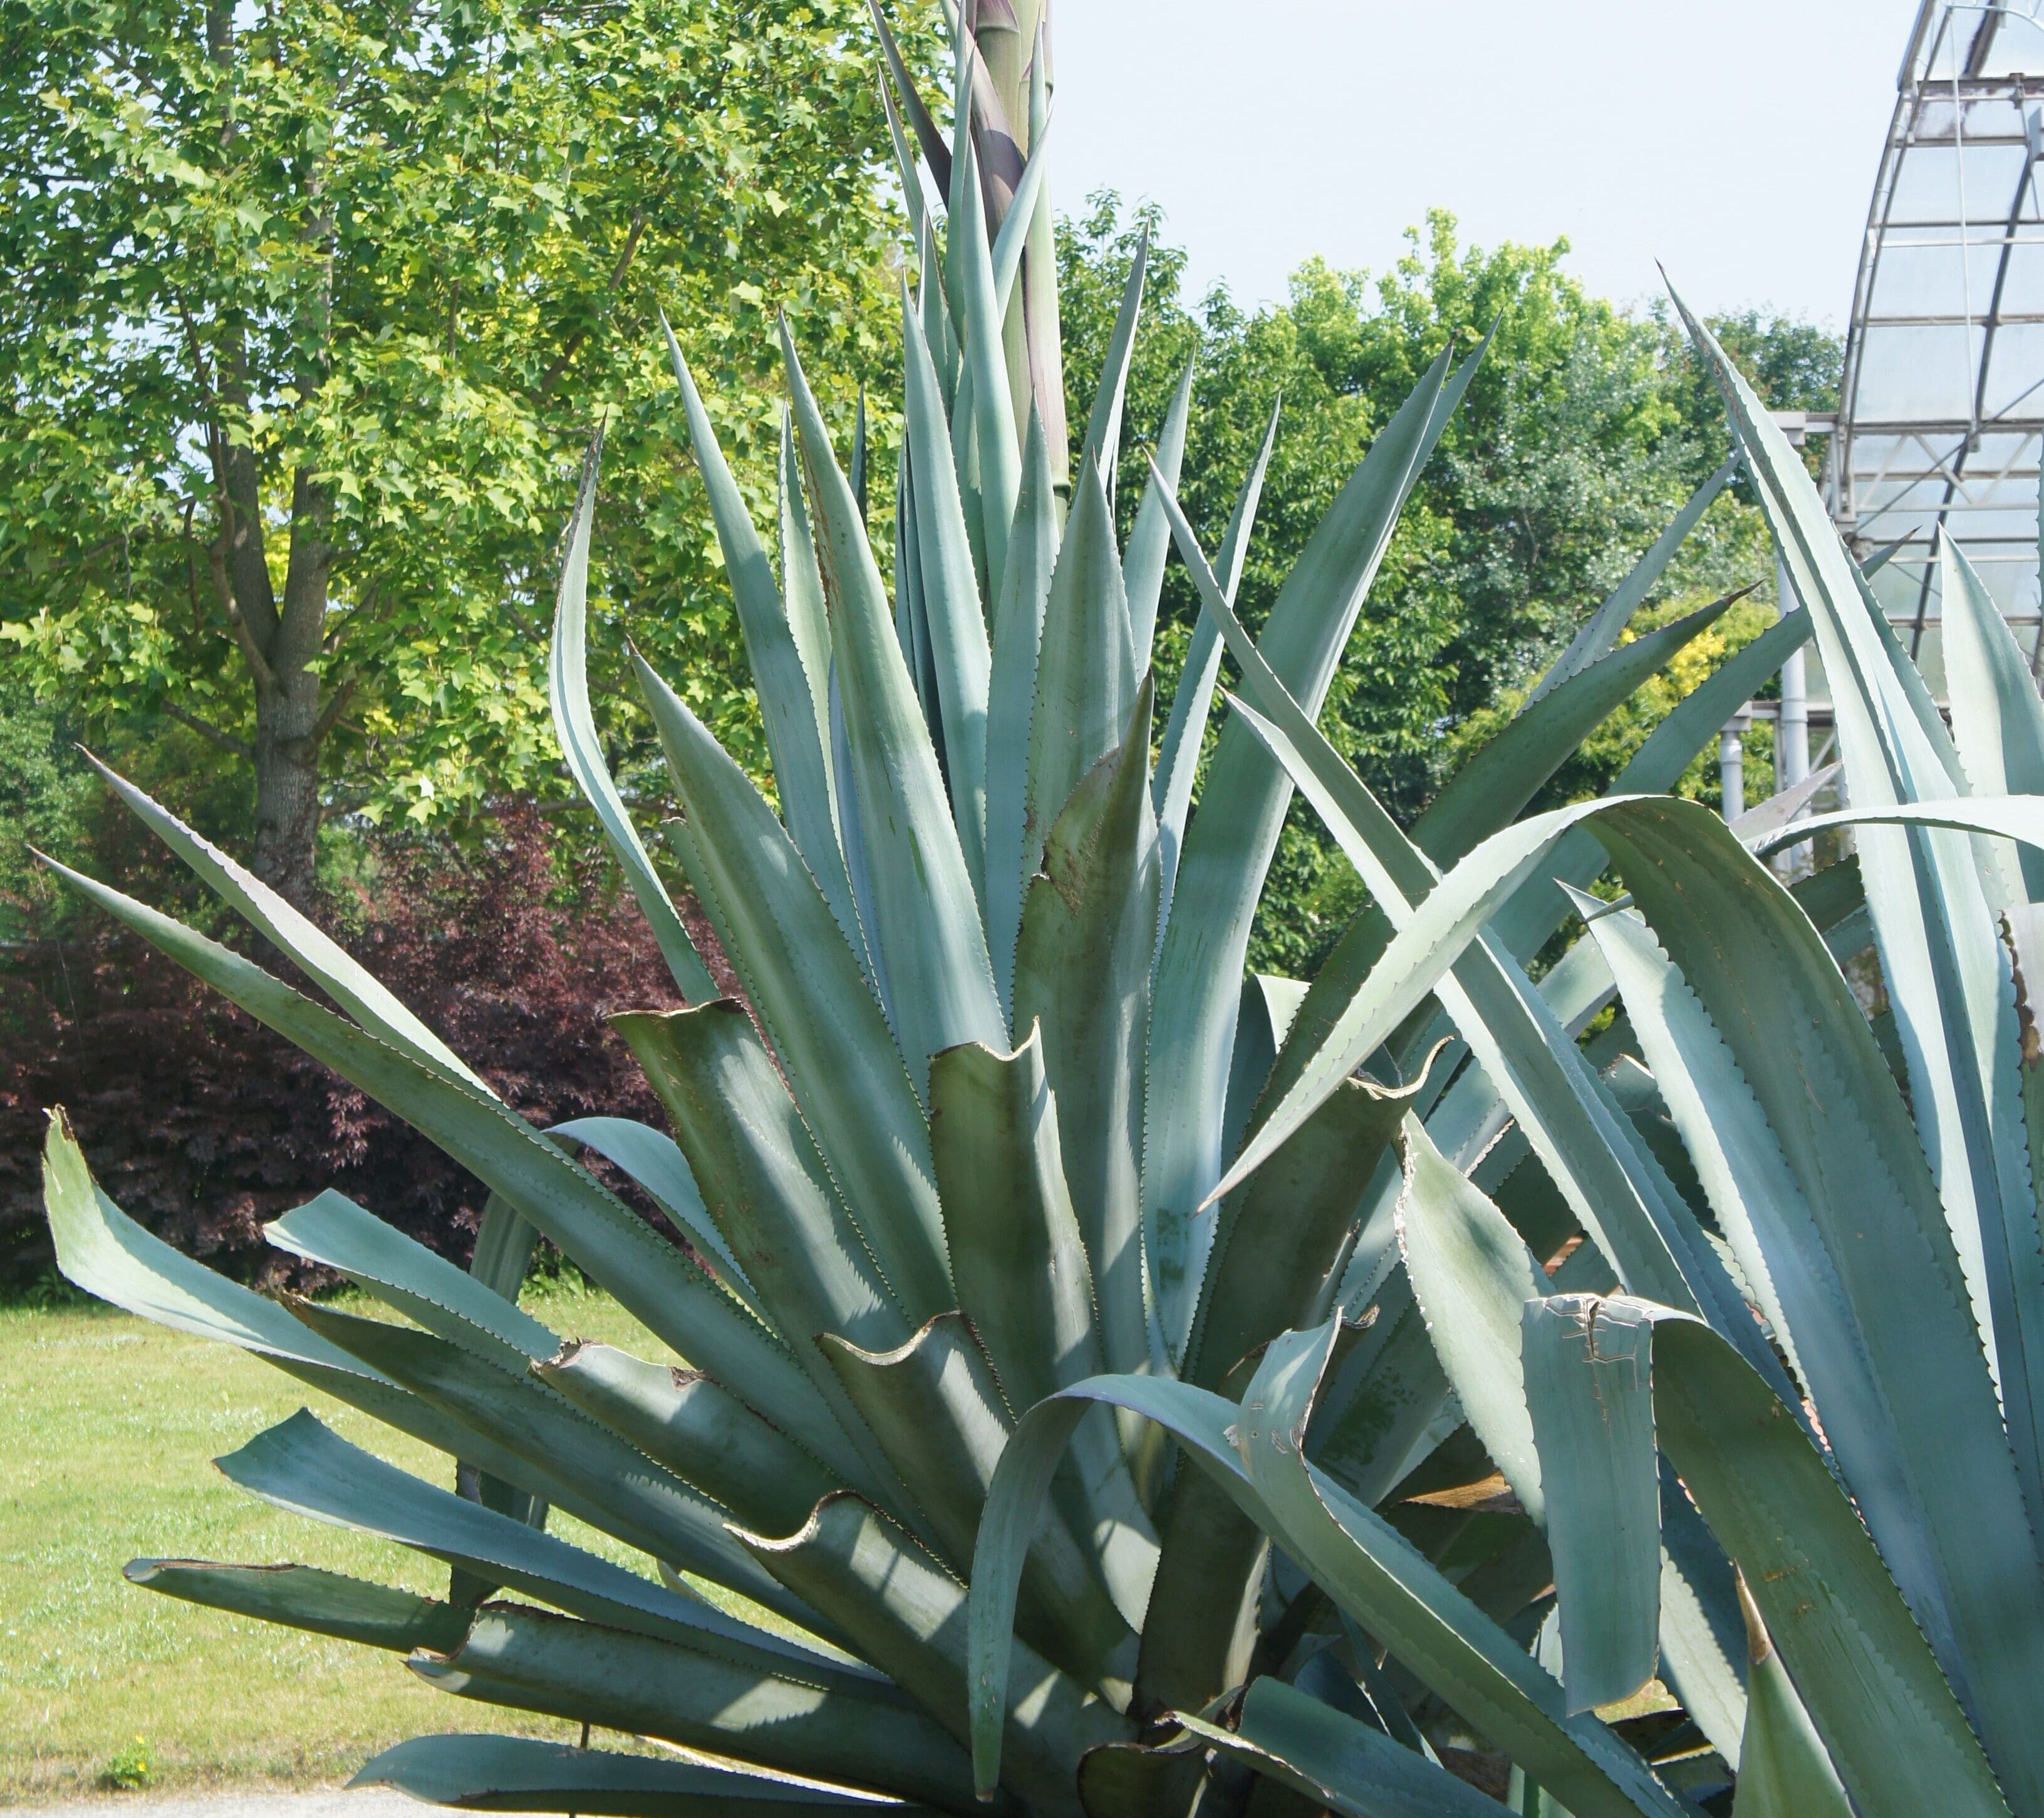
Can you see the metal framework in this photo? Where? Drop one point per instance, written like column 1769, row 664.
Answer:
column 1942, row 410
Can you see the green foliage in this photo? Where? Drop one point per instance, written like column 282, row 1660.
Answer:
column 1581, row 436
column 1120, row 1376
column 406, row 257
column 44, row 793
column 1872, row 1473
column 129, row 1769
column 225, row 1702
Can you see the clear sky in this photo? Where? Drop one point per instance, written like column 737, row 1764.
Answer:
column 1736, row 141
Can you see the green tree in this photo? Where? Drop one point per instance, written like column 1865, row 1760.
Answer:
column 1584, row 430
column 312, row 309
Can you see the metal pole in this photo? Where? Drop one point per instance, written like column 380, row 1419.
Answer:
column 1791, row 728
column 1791, row 734
column 1732, row 769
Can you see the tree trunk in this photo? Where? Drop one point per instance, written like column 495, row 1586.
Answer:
column 287, row 786
column 289, row 724
column 279, row 640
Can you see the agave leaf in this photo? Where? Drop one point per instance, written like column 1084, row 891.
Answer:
column 667, row 1292
column 805, row 982
column 321, row 959
column 1086, row 671
column 856, row 473
column 1227, row 851
column 936, row 153
column 1471, row 1274
column 1700, row 1618
column 936, row 1410
column 2023, row 928
column 905, row 163
column 1933, row 901
column 2016, row 817
column 576, row 1463
column 1539, row 907
column 1764, row 818
column 1886, row 703
column 1784, row 1771
column 934, row 1407
column 504, row 1245
column 567, row 690
column 1200, row 1634
column 1491, row 788
column 950, row 596
column 104, row 1251
column 1368, row 1570
column 101, row 1249
column 302, row 1597
column 1269, row 1005
column 808, row 625
column 1592, row 1414
column 688, row 1425
column 519, row 1773
column 1573, row 1754
column 940, row 334
column 1997, row 716
column 1132, row 1780
column 1468, row 1122
column 1358, row 1657
column 1025, row 1281
column 1274, row 1238
column 1601, row 632
column 912, row 632
column 1103, row 435
column 770, row 1194
column 1082, row 972
column 1185, row 731
column 655, row 1163
column 853, row 835
column 979, row 313
column 964, row 464
column 1150, row 539
column 926, row 916
column 767, row 1189
column 790, row 664
column 333, row 1231
column 827, row 1725
column 505, row 1240
column 910, row 1615
column 1013, row 238
column 1279, row 1238
column 1786, row 1106
column 1383, row 1397
column 1525, row 924
column 1335, row 1761
column 1018, row 630
column 300, row 1466
column 1871, row 1684
column 1621, row 1196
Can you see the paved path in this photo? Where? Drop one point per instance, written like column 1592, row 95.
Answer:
column 378, row 1802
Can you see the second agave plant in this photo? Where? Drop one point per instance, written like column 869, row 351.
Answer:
column 957, row 1154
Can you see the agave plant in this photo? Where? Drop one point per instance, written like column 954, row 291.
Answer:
column 1792, row 1337
column 1002, row 1177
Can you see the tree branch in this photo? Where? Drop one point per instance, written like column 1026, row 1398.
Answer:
column 205, row 728
column 550, row 377
column 217, row 556
column 373, row 600
column 336, row 706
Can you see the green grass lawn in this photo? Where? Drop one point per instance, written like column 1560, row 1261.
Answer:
column 108, row 1429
